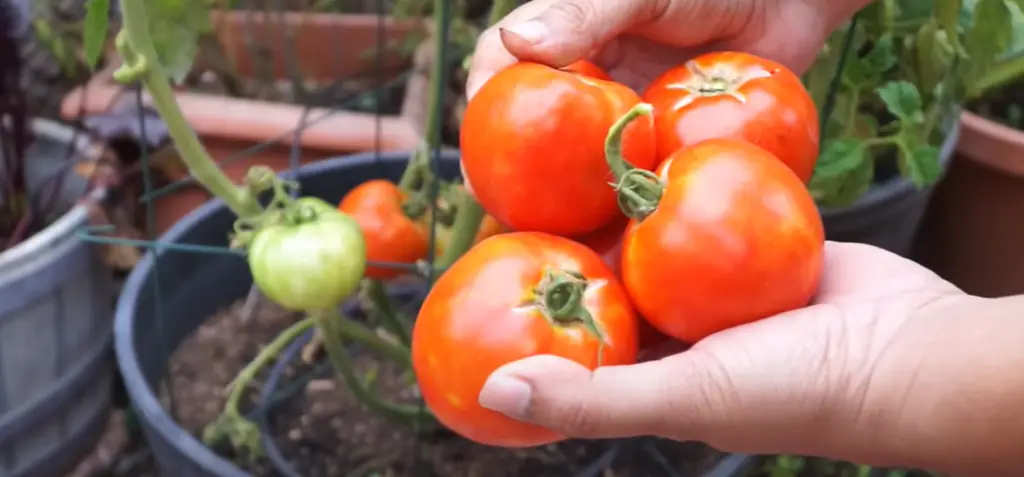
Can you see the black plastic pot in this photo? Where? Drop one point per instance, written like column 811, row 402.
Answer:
column 195, row 286
column 890, row 213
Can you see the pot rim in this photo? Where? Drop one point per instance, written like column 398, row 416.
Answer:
column 983, row 136
column 69, row 221
column 143, row 398
column 145, row 401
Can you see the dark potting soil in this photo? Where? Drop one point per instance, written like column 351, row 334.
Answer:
column 325, row 432
column 1005, row 106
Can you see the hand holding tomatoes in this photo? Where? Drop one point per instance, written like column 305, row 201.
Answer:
column 739, row 96
column 723, row 235
column 513, row 296
column 532, row 148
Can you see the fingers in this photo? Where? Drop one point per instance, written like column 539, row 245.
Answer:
column 556, row 32
column 656, row 397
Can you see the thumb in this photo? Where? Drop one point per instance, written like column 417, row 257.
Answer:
column 569, row 30
column 653, row 398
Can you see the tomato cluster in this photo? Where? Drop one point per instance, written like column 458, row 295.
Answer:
column 672, row 215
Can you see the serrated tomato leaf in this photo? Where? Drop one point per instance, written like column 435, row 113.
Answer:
column 94, row 30
column 990, row 32
column 844, row 172
column 175, row 27
column 922, row 166
column 903, row 100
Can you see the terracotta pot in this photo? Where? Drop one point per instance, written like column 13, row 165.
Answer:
column 229, row 126
column 973, row 234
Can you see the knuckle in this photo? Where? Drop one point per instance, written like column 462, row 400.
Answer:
column 573, row 15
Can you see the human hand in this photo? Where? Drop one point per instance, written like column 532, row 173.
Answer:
column 637, row 40
column 821, row 380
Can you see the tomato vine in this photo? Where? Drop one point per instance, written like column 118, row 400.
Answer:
column 158, row 45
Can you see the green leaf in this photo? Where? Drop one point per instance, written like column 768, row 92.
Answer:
column 903, row 100
column 175, row 27
column 94, row 30
column 876, row 62
column 921, row 166
column 948, row 14
column 844, row 172
column 934, row 56
column 990, row 32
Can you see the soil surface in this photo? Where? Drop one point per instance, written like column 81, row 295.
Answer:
column 1005, row 106
column 324, row 432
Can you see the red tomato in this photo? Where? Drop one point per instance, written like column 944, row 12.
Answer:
column 497, row 305
column 740, row 96
column 391, row 236
column 587, row 68
column 533, row 148
column 735, row 238
column 607, row 242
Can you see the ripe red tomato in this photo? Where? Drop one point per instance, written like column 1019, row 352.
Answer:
column 391, row 236
column 587, row 68
column 498, row 304
column 533, row 148
column 735, row 238
column 607, row 242
column 741, row 96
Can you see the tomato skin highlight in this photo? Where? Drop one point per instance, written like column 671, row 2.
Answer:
column 776, row 113
column 473, row 321
column 391, row 236
column 309, row 266
column 735, row 238
column 532, row 145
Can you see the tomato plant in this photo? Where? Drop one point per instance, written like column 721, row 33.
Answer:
column 741, row 96
column 532, row 147
column 391, row 235
column 513, row 296
column 311, row 261
column 723, row 235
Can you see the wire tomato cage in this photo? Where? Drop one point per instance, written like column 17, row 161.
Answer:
column 277, row 387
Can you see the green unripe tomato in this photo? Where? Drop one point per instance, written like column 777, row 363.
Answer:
column 309, row 266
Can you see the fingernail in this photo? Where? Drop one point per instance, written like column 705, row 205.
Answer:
column 507, row 395
column 532, row 31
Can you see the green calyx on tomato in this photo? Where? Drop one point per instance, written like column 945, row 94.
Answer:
column 639, row 190
column 560, row 296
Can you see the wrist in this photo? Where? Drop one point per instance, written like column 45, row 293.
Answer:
column 946, row 394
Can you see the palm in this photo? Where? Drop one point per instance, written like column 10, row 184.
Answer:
column 867, row 296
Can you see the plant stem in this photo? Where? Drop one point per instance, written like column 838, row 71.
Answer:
column 390, row 318
column 331, row 323
column 153, row 76
column 499, row 9
column 468, row 217
column 269, row 352
column 639, row 190
column 997, row 76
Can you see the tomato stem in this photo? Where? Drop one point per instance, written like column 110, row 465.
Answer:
column 639, row 191
column 561, row 294
column 333, row 326
column 468, row 216
column 140, row 61
column 268, row 353
column 378, row 300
